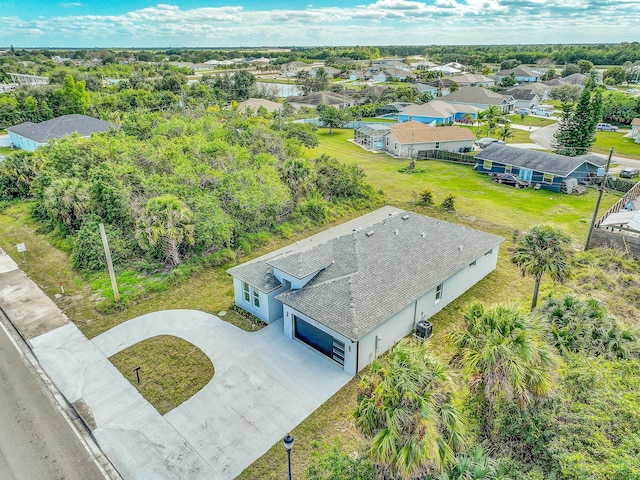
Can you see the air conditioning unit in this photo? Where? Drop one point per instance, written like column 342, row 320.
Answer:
column 424, row 329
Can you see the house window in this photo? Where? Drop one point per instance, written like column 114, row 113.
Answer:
column 256, row 299
column 507, row 169
column 387, row 141
column 395, row 145
column 472, row 264
column 487, row 165
column 439, row 293
column 437, row 145
column 486, row 254
column 245, row 292
column 547, row 178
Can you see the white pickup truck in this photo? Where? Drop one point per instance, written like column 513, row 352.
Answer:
column 544, row 110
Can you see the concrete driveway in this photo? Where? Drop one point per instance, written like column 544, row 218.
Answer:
column 264, row 385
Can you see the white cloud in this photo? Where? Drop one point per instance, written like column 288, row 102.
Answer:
column 382, row 21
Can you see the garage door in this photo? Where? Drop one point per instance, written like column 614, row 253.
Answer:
column 320, row 340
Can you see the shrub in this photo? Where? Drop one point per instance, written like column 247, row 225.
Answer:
column 448, row 204
column 426, row 198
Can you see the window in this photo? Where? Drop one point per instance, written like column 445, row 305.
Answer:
column 395, row 145
column 487, row 165
column 439, row 293
column 472, row 264
column 547, row 178
column 245, row 292
column 507, row 169
column 437, row 145
column 486, row 254
column 256, row 299
column 387, row 141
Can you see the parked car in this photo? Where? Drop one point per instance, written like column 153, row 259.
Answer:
column 510, row 179
column 633, row 90
column 629, row 173
column 485, row 142
column 525, row 111
column 606, row 127
column 545, row 112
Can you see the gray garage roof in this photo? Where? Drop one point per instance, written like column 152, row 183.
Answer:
column 365, row 277
column 559, row 165
column 60, row 127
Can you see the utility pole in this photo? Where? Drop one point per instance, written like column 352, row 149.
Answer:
column 595, row 212
column 107, row 252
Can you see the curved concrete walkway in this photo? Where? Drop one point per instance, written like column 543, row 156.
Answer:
column 264, row 385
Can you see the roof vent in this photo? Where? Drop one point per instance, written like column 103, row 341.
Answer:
column 405, row 217
column 369, row 233
column 422, row 234
column 395, row 232
column 460, row 247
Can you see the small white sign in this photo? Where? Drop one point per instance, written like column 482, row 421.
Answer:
column 21, row 247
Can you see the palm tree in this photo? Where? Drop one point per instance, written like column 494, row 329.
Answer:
column 504, row 353
column 166, row 221
column 543, row 249
column 405, row 408
column 505, row 132
column 492, row 115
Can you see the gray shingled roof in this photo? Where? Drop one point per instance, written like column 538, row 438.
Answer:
column 367, row 279
column 559, row 165
column 60, row 127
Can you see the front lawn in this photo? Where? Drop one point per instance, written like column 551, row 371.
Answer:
column 622, row 146
column 476, row 196
column 529, row 121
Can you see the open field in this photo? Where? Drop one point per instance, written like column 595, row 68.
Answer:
column 622, row 146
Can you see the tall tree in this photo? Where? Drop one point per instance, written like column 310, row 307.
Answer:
column 166, row 222
column 504, row 353
column 492, row 116
column 332, row 117
column 577, row 126
column 405, row 407
column 543, row 249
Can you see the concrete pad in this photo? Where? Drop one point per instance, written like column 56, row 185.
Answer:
column 6, row 263
column 30, row 310
column 264, row 384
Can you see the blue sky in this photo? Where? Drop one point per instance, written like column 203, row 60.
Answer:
column 200, row 23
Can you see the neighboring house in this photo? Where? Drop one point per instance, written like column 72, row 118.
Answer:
column 445, row 70
column 547, row 170
column 372, row 136
column 391, row 108
column 425, row 88
column 327, row 98
column 330, row 71
column 538, row 88
column 443, row 86
column 635, row 129
column 29, row 136
column 437, row 111
column 523, row 74
column 481, row 98
column 291, row 69
column 398, row 74
column 353, row 291
column 406, row 139
column 255, row 103
column 471, row 80
column 522, row 98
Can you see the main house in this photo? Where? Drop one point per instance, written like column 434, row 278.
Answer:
column 406, row 139
column 544, row 170
column 29, row 136
column 353, row 291
column 438, row 112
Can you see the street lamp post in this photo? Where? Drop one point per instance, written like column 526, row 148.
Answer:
column 288, row 445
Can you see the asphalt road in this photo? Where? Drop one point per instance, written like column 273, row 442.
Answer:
column 36, row 442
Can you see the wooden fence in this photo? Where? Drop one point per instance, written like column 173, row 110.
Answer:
column 632, row 194
column 445, row 156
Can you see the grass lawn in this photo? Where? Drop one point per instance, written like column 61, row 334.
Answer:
column 476, row 196
column 622, row 146
column 6, row 150
column 171, row 371
column 529, row 121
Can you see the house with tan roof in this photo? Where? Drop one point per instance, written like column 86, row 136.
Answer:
column 253, row 104
column 406, row 139
column 472, row 80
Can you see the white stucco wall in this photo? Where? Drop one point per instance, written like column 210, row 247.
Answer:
column 296, row 283
column 402, row 323
column 406, row 151
column 270, row 309
column 24, row 143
